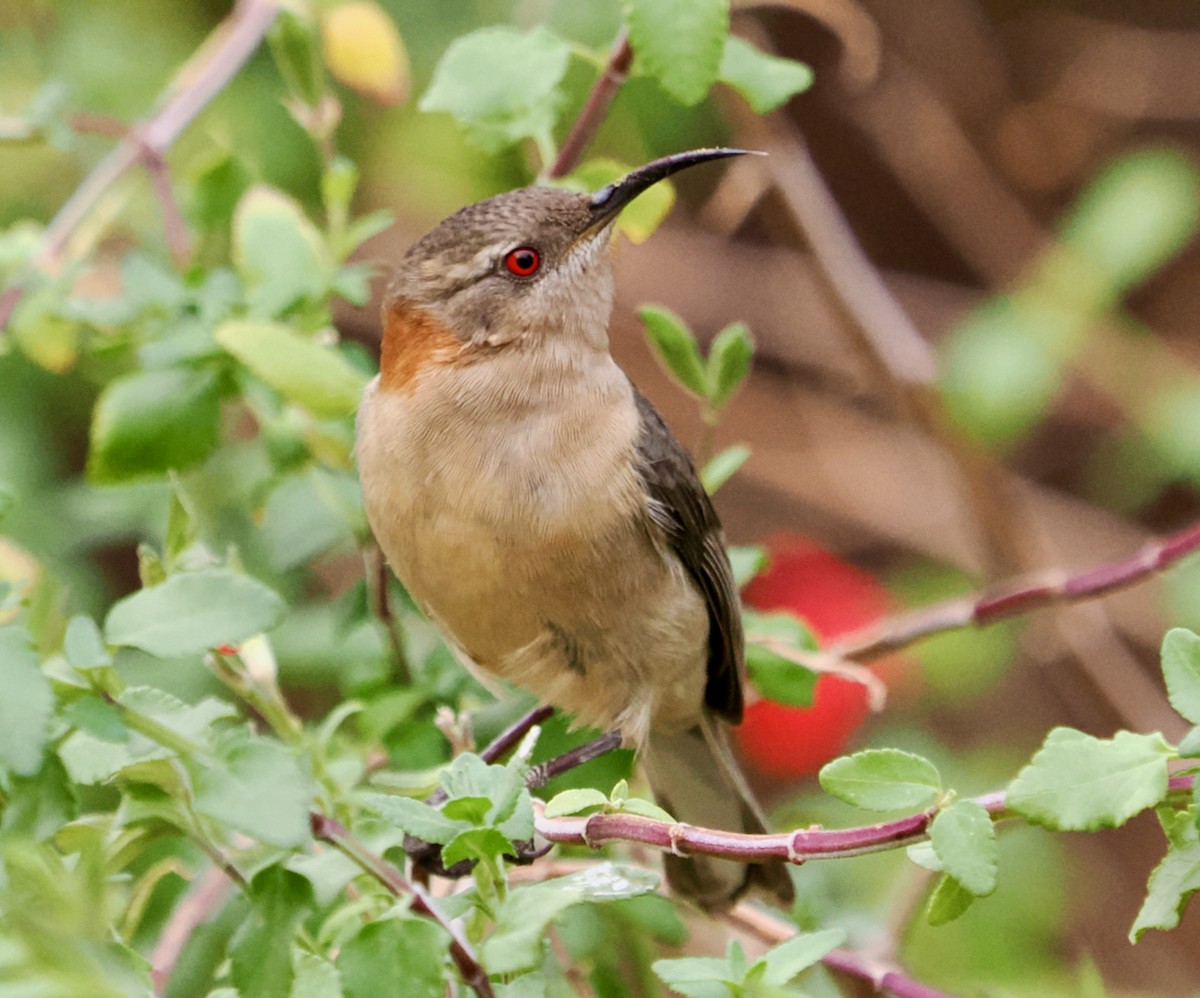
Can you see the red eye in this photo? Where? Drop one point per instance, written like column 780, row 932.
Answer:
column 523, row 261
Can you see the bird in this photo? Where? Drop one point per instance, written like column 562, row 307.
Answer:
column 539, row 510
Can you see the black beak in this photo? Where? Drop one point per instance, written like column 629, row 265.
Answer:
column 607, row 201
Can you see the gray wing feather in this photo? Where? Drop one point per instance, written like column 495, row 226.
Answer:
column 680, row 507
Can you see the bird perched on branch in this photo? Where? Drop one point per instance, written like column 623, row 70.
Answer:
column 538, row 508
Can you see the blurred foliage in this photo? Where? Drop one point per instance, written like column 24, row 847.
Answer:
column 183, row 541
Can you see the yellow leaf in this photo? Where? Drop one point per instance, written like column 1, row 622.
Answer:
column 364, row 51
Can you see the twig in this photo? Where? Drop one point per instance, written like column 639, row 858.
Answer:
column 195, row 909
column 798, row 846
column 603, row 91
column 375, row 574
column 887, row 636
column 328, row 830
column 215, row 63
column 883, row 975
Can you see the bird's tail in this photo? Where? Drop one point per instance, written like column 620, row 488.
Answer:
column 694, row 776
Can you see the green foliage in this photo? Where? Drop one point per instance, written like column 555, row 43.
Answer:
column 883, row 780
column 680, row 43
column 736, row 976
column 774, row 673
column 766, row 81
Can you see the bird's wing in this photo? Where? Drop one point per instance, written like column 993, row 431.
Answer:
column 680, row 507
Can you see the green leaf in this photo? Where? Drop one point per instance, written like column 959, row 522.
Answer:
column 520, row 935
column 314, row 977
column 774, row 676
column 766, row 81
column 278, row 252
column 1174, row 880
column 1189, row 747
column 192, row 612
column 488, row 844
column 1181, row 670
column 721, row 467
column 948, row 900
column 500, row 84
column 261, row 954
column 699, row 977
column 296, row 48
column 789, row 958
column 217, row 183
column 729, row 359
column 883, row 780
column 1077, row 783
column 574, row 802
column 415, row 817
column 964, row 839
column 301, row 370
column 36, row 807
column 645, row 809
column 675, row 347
column 747, row 560
column 83, row 646
column 26, row 704
column 394, row 950
column 153, row 421
column 258, row 787
column 680, row 43
column 97, row 717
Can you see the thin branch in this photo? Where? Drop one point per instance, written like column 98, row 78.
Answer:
column 205, row 75
column 196, row 907
column 1015, row 599
column 883, row 975
column 375, row 576
column 798, row 846
column 616, row 71
column 328, row 830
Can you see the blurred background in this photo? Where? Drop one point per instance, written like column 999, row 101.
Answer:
column 970, row 269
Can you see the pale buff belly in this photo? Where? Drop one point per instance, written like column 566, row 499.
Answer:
column 533, row 555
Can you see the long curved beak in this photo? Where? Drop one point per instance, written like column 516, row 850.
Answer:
column 608, row 201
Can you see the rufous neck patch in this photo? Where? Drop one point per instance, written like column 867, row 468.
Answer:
column 413, row 340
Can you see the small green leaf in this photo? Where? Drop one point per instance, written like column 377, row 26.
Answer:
column 645, row 809
column 699, row 977
column 729, row 359
column 923, row 855
column 83, row 646
column 1189, row 747
column 217, row 183
column 261, row 952
column 296, row 48
column 313, row 977
column 1181, row 670
column 747, row 560
column 473, row 810
column 721, row 467
column 415, row 817
column 766, row 81
column 789, row 958
column 476, row 844
column 1174, row 880
column 394, row 950
column 680, row 43
column 883, row 780
column 948, row 900
column 774, row 676
column 675, row 347
column 257, row 787
column 26, row 704
column 315, row 376
column 192, row 612
column 964, row 839
column 278, row 252
column 574, row 802
column 1077, row 783
column 97, row 717
column 153, row 421
column 520, row 936
column 500, row 84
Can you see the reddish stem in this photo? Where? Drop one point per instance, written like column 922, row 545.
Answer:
column 616, row 71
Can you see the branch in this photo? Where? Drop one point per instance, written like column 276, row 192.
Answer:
column 328, row 830
column 797, row 847
column 1015, row 599
column 883, row 975
column 195, row 908
column 603, row 91
column 204, row 76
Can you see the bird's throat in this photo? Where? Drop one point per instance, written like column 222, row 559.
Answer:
column 413, row 342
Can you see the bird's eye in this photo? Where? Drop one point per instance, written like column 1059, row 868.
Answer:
column 524, row 261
